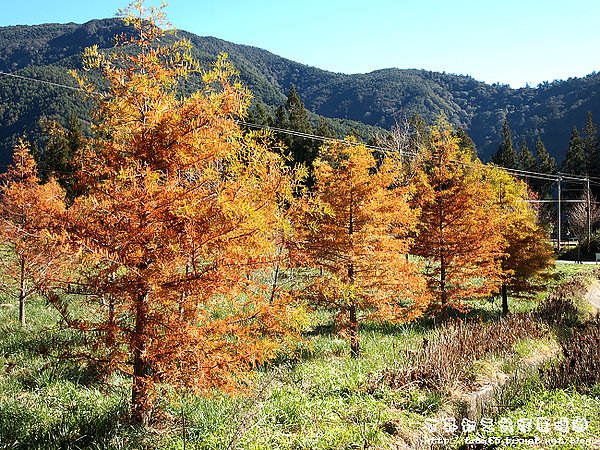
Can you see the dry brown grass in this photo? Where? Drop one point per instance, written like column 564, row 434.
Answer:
column 580, row 363
column 559, row 308
column 444, row 362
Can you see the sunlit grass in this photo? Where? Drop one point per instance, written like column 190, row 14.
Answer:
column 313, row 397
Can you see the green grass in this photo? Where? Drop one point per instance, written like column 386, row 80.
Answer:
column 311, row 400
column 48, row 402
column 529, row 400
column 315, row 397
column 564, row 271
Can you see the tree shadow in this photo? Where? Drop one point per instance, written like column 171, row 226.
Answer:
column 40, row 357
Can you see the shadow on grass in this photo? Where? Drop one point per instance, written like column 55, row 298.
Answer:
column 484, row 311
column 41, row 342
column 397, row 329
column 327, row 329
column 38, row 358
column 35, row 377
column 86, row 423
column 323, row 339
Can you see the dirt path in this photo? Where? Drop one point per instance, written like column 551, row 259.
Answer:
column 593, row 295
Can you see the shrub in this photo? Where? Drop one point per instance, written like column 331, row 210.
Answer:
column 558, row 309
column 580, row 363
column 444, row 360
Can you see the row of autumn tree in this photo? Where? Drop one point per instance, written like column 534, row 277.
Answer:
column 168, row 252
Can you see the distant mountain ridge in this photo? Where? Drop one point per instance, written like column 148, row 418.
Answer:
column 379, row 98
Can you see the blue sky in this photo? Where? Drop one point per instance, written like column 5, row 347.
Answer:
column 507, row 41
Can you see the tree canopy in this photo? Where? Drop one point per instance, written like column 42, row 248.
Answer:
column 355, row 226
column 457, row 231
column 527, row 253
column 177, row 213
column 31, row 255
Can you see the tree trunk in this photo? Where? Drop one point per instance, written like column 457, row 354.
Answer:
column 22, row 308
column 22, row 294
column 443, row 292
column 108, row 300
column 354, row 337
column 110, row 335
column 504, row 300
column 141, row 399
column 276, row 275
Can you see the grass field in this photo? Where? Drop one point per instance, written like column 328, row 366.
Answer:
column 315, row 397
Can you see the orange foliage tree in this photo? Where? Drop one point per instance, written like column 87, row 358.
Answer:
column 176, row 217
column 31, row 256
column 458, row 233
column 528, row 253
column 354, row 226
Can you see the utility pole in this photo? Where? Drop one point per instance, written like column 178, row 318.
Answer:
column 588, row 209
column 558, row 180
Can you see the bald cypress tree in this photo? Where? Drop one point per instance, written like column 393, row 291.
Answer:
column 458, row 233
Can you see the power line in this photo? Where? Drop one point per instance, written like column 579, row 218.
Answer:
column 312, row 136
column 559, row 175
column 518, row 172
column 562, row 201
column 523, row 173
column 37, row 80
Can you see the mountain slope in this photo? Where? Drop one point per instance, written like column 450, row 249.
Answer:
column 378, row 98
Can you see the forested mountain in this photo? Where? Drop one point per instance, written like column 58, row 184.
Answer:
column 379, row 98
